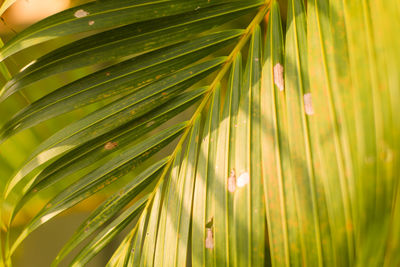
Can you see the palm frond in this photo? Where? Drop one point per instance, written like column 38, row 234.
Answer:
column 291, row 158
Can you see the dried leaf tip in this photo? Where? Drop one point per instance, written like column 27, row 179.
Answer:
column 110, row 145
column 232, row 181
column 209, row 239
column 243, row 179
column 308, row 105
column 278, row 77
column 81, row 13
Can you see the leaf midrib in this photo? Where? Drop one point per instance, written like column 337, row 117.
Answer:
column 249, row 30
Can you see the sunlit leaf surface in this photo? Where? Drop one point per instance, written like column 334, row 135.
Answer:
column 224, row 132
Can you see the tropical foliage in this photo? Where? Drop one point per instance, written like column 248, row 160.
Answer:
column 287, row 152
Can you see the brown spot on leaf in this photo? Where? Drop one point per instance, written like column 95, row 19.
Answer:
column 150, row 123
column 110, row 145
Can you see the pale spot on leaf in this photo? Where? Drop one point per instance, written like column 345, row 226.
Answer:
column 308, row 105
column 81, row 13
column 243, row 179
column 278, row 77
column 91, row 22
column 232, row 182
column 209, row 239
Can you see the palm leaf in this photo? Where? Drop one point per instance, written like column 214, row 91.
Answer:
column 131, row 40
column 102, row 15
column 111, row 207
column 123, row 78
column 291, row 159
column 6, row 4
